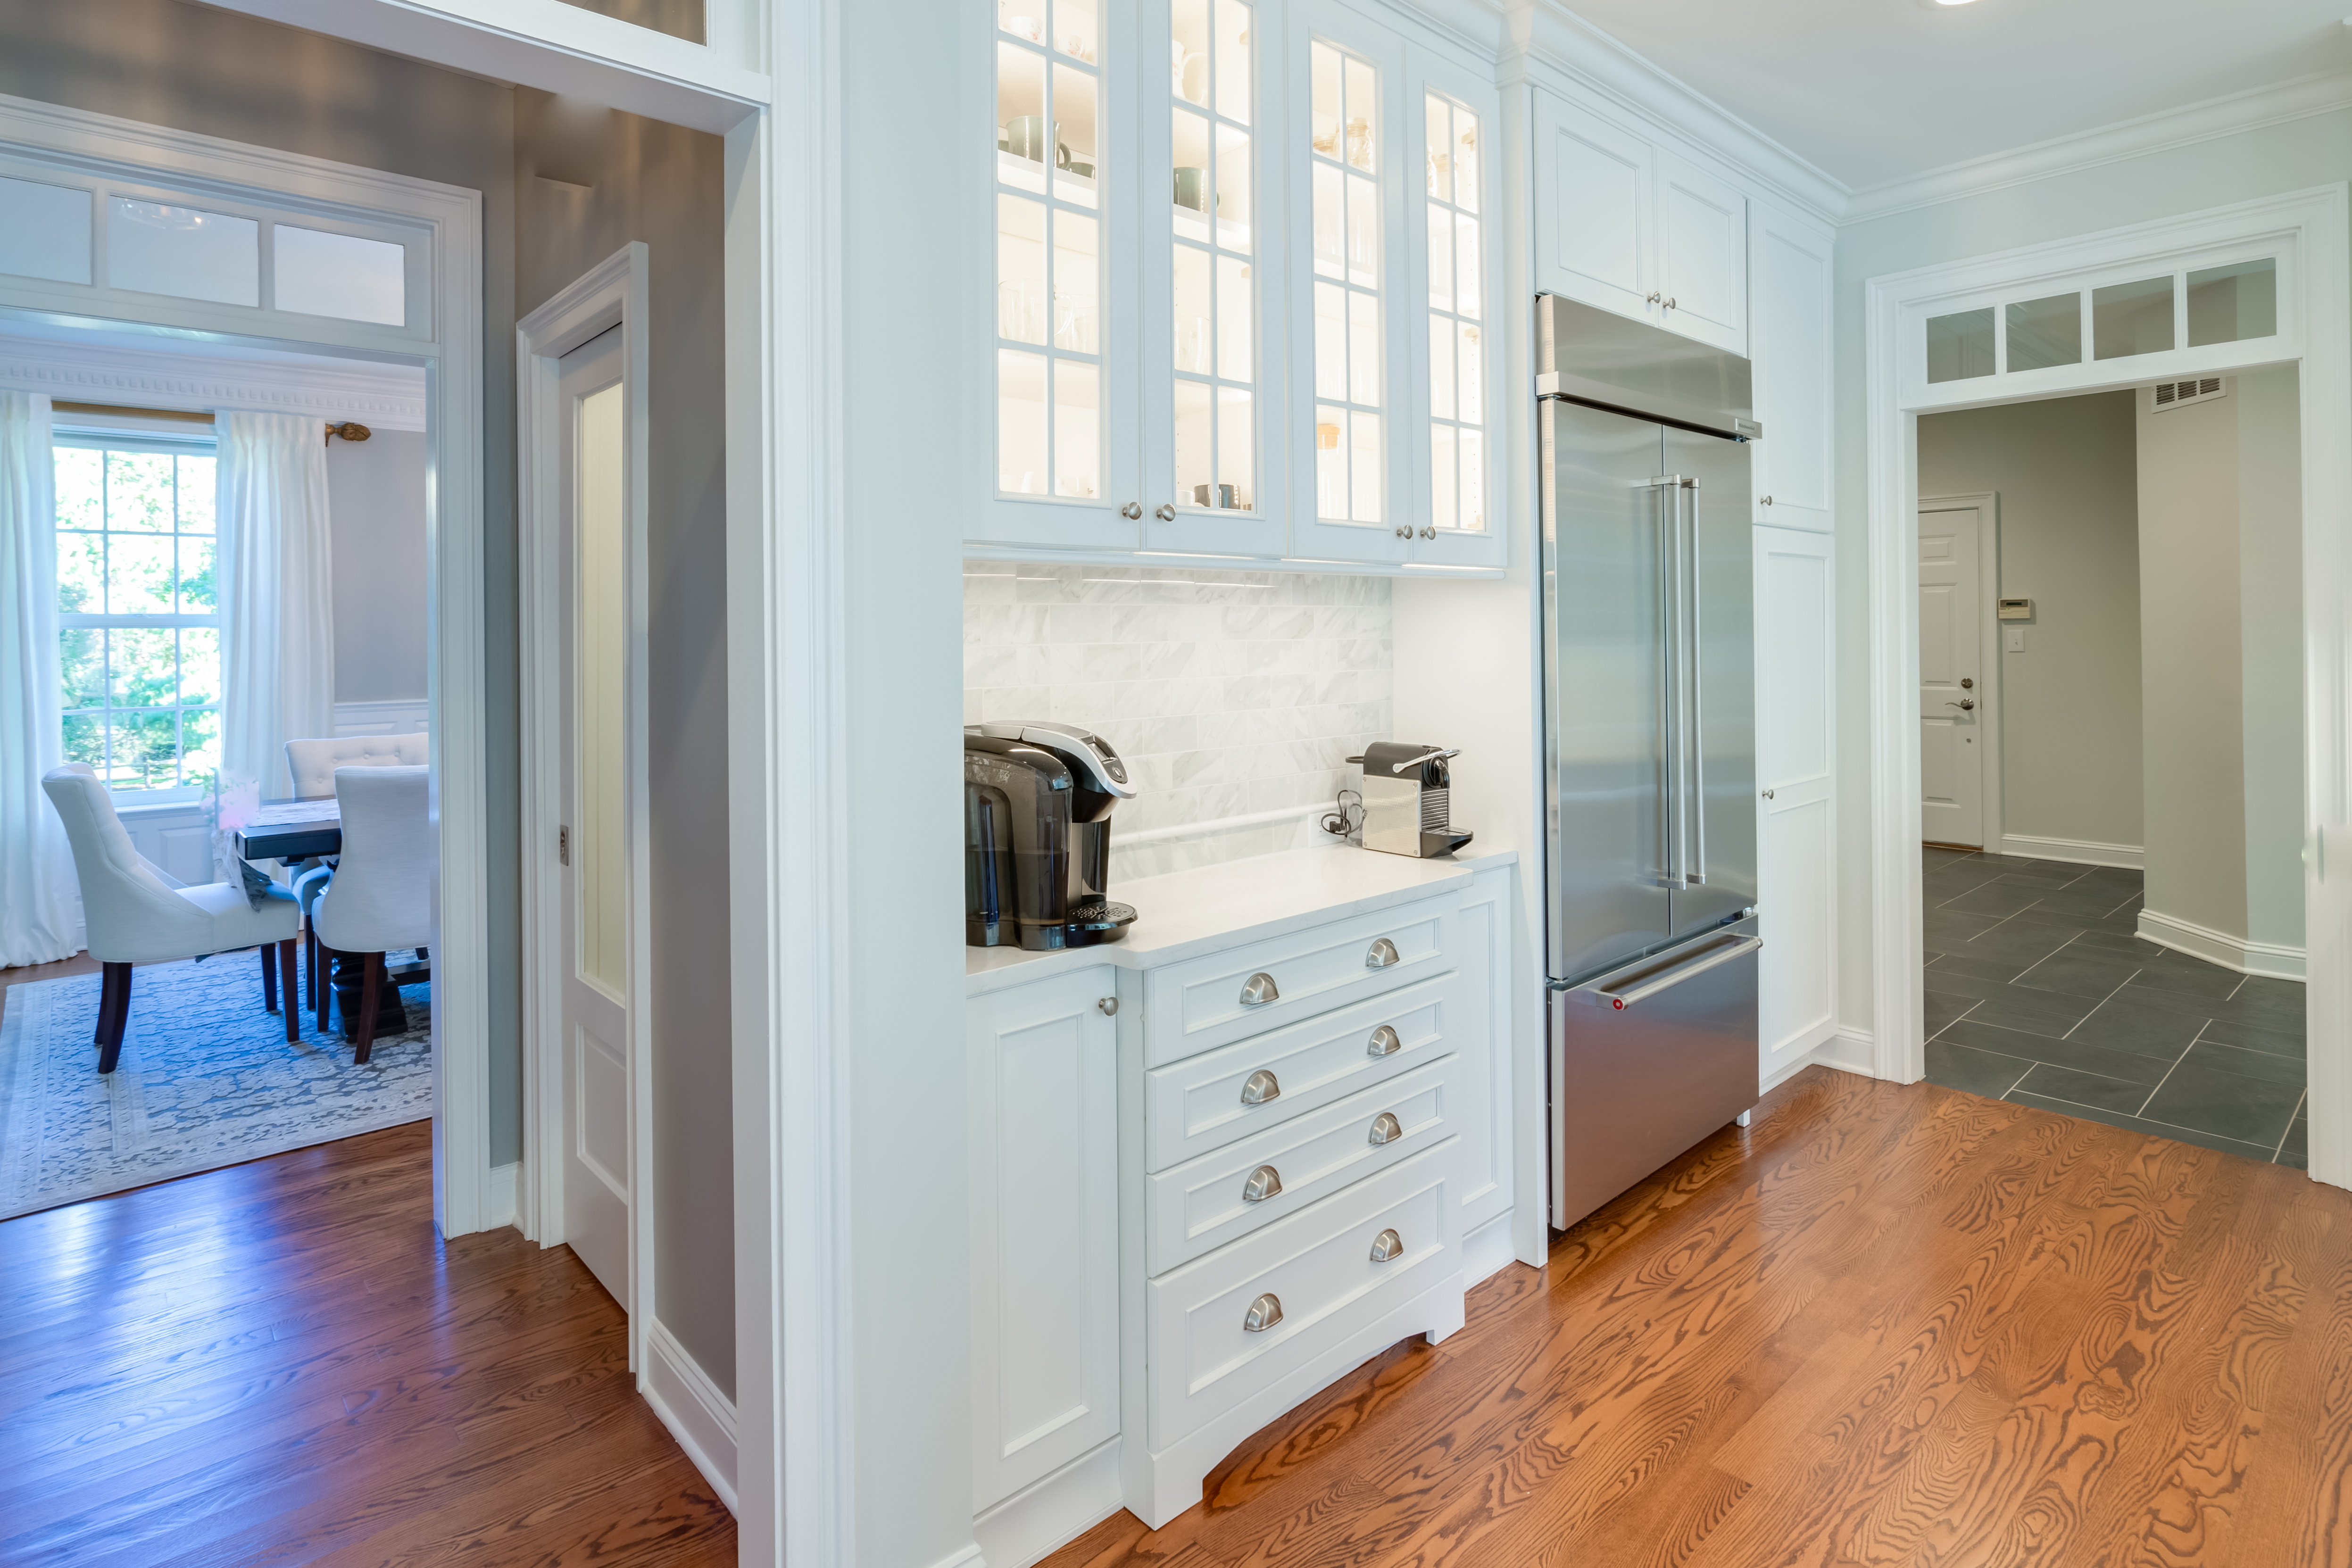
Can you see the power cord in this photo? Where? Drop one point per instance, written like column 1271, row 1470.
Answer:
column 1346, row 817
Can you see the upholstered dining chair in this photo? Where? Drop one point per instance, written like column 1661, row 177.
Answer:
column 312, row 764
column 135, row 914
column 381, row 896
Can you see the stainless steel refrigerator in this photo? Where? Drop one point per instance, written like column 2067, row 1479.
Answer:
column 1650, row 756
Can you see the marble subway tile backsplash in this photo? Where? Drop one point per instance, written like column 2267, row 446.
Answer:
column 1229, row 694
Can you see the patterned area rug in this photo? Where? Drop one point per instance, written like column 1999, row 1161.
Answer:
column 207, row 1079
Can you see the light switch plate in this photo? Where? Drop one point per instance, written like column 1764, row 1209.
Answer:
column 2012, row 639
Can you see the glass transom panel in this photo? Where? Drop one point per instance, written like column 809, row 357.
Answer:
column 1210, row 67
column 1343, row 167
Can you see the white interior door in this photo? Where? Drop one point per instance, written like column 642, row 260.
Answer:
column 599, row 1156
column 1951, row 689
column 1796, row 837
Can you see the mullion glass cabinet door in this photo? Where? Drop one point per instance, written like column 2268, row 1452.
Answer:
column 1348, row 285
column 1213, row 476
column 1455, row 517
column 1060, row 462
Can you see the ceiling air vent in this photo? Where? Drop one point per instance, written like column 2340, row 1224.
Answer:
column 2173, row 394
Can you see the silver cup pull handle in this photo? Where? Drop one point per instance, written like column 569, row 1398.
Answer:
column 1264, row 1182
column 1259, row 989
column 1386, row 1129
column 1382, row 955
column 1384, row 1042
column 1387, row 1247
column 1262, row 1087
column 1263, row 1314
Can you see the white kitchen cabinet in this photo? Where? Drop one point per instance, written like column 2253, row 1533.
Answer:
column 1044, row 1087
column 1790, row 281
column 1633, row 227
column 1796, row 843
column 1483, row 1002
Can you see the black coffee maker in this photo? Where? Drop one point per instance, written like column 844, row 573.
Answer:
column 1037, row 798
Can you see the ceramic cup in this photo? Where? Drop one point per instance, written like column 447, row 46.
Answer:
column 1192, row 188
column 1028, row 28
column 1028, row 136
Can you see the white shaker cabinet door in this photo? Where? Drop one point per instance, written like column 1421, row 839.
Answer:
column 1593, row 189
column 1045, row 1229
column 1702, row 249
column 1788, row 323
column 1796, row 846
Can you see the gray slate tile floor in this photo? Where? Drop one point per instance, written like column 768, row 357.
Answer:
column 2040, row 991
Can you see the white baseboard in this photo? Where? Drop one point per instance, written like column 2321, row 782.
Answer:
column 499, row 1203
column 2266, row 958
column 2075, row 851
column 1488, row 1252
column 697, row 1415
column 1049, row 1513
column 1849, row 1050
column 964, row 1557
column 402, row 715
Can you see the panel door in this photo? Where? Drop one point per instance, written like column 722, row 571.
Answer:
column 1056, row 373
column 1796, row 676
column 1483, row 998
column 1702, row 249
column 1216, row 477
column 1045, row 1229
column 1788, row 325
column 1593, row 192
column 1951, row 769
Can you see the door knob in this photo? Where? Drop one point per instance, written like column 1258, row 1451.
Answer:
column 1258, row 990
column 1383, row 955
column 1384, row 1042
column 1264, row 1182
column 1132, row 511
column 1386, row 1129
column 1387, row 1247
column 1963, row 703
column 1262, row 1087
column 1263, row 1314
column 1968, row 683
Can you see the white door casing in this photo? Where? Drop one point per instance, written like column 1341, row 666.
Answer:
column 1951, row 705
column 1796, row 829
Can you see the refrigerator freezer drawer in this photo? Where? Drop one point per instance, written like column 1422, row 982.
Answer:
column 1648, row 1060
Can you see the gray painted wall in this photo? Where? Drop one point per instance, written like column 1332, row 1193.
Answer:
column 2069, row 706
column 630, row 179
column 376, row 508
column 2270, row 599
column 2273, row 159
column 219, row 74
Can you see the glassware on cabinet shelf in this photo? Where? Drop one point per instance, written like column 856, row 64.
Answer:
column 1343, row 158
column 1213, row 287
column 1456, row 305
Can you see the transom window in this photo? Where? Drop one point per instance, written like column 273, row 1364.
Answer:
column 138, row 612
column 2145, row 316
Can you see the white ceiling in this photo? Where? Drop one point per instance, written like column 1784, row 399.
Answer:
column 1874, row 90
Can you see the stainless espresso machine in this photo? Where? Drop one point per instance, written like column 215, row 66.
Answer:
column 1037, row 799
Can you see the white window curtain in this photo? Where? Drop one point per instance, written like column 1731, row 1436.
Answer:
column 278, row 631
column 37, row 909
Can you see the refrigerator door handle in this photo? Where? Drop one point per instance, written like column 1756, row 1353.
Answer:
column 1695, row 800
column 1673, row 818
column 1715, row 955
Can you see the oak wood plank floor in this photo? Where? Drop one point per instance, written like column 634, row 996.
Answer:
column 279, row 1363
column 1885, row 1324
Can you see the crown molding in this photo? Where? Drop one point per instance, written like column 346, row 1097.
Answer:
column 1562, row 51
column 2275, row 104
column 386, row 398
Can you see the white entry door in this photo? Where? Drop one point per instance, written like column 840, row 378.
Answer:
column 599, row 1156
column 1951, row 689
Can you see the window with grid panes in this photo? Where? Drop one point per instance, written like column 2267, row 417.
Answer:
column 1458, row 435
column 1210, row 78
column 1343, row 167
column 138, row 616
column 1049, row 370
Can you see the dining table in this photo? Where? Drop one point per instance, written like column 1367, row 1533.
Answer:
column 293, row 831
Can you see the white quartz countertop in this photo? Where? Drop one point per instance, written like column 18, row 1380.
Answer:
column 1187, row 912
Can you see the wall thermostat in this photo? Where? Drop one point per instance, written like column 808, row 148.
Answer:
column 2016, row 609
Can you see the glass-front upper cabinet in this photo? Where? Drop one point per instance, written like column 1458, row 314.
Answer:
column 1456, row 370
column 1061, row 189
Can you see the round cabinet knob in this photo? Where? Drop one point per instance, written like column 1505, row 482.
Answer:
column 1381, row 955
column 1263, row 1314
column 1107, row 1006
column 1430, row 532
column 1384, row 1042
column 1387, row 1247
column 1404, row 533
column 1259, row 989
column 1132, row 511
column 1264, row 1182
column 1167, row 512
column 1386, row 1128
column 1767, row 500
column 1262, row 1087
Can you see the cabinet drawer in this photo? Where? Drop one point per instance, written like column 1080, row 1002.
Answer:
column 1197, row 1004
column 1200, row 1205
column 1319, row 1265
column 1194, row 1105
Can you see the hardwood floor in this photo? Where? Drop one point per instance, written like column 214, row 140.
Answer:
column 279, row 1363
column 1886, row 1324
